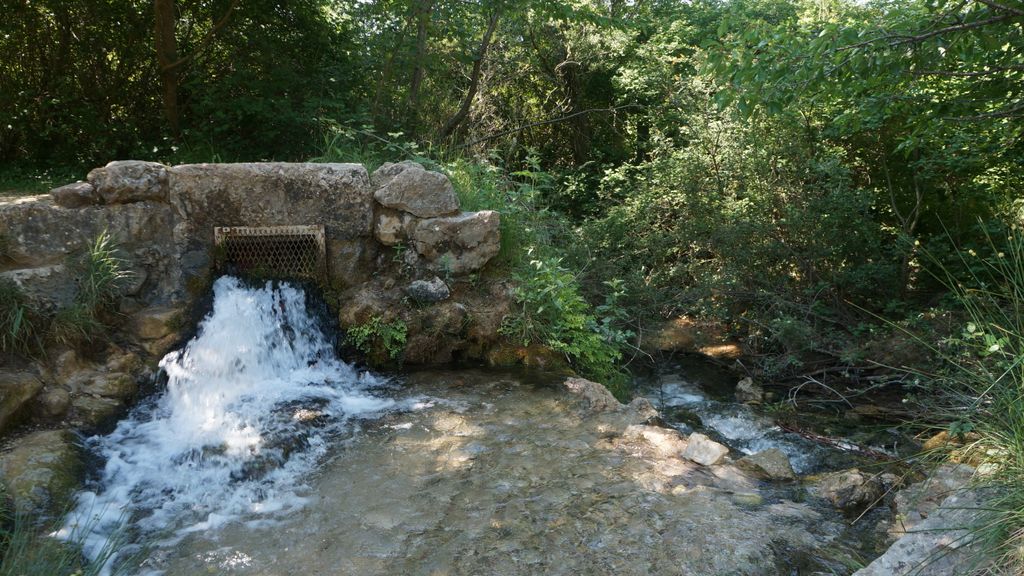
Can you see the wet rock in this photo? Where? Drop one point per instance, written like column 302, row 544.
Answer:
column 852, row 490
column 918, row 501
column 940, row 544
column 127, row 181
column 595, row 397
column 428, row 291
column 408, row 187
column 17, row 389
column 116, row 385
column 156, row 322
column 665, row 442
column 94, row 413
column 749, row 393
column 76, row 195
column 53, row 403
column 458, row 244
column 771, row 464
column 41, row 471
column 704, row 451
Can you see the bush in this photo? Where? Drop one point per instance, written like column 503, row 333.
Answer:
column 552, row 312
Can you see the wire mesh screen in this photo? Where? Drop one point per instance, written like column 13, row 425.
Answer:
column 272, row 251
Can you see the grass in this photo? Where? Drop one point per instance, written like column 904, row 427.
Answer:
column 25, row 328
column 981, row 394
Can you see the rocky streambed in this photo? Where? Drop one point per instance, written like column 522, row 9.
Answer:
column 489, row 472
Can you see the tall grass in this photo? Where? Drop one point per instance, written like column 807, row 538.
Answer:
column 21, row 323
column 982, row 392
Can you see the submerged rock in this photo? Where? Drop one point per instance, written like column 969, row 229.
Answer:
column 41, row 471
column 704, row 451
column 771, row 464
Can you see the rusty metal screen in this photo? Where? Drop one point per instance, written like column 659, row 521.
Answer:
column 272, row 251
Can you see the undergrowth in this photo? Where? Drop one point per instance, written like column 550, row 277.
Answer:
column 378, row 338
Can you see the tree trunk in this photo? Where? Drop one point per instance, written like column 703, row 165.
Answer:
column 424, row 9
column 474, row 80
column 166, row 56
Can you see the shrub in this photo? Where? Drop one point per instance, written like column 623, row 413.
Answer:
column 551, row 311
column 378, row 338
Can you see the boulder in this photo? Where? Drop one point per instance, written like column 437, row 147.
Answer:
column 76, row 195
column 458, row 244
column 595, row 397
column 704, row 451
column 408, row 187
column 852, row 490
column 115, row 385
column 941, row 545
column 17, row 389
column 749, row 393
column 41, row 471
column 771, row 464
column 127, row 181
column 428, row 291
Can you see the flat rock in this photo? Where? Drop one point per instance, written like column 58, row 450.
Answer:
column 917, row 502
column 941, row 545
column 75, row 195
column 408, row 187
column 128, row 181
column 41, row 471
column 17, row 389
column 771, row 464
column 664, row 442
column 704, row 451
column 458, row 244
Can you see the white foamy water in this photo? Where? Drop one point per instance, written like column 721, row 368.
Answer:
column 739, row 426
column 251, row 405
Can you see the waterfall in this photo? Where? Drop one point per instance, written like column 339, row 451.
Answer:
column 251, row 405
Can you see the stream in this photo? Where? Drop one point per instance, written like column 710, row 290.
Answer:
column 268, row 455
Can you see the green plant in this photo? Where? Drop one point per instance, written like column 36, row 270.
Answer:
column 551, row 311
column 376, row 335
column 102, row 275
column 21, row 323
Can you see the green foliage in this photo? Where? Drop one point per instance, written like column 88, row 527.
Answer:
column 552, row 312
column 377, row 337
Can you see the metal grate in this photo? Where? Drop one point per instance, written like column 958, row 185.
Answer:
column 272, row 251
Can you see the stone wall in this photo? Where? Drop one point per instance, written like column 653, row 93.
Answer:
column 398, row 248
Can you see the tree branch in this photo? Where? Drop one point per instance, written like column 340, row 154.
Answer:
column 612, row 110
column 205, row 42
